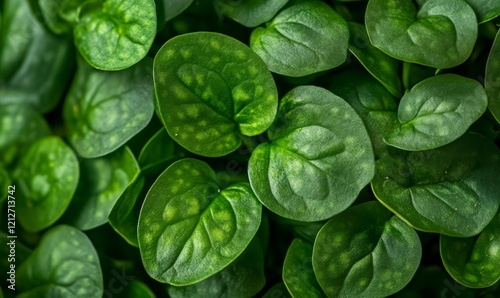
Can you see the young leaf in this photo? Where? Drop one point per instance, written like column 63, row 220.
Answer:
column 46, row 187
column 249, row 13
column 437, row 111
column 103, row 110
column 365, row 251
column 452, row 190
column 125, row 213
column 441, row 34
column 21, row 126
column 305, row 38
column 485, row 10
column 242, row 278
column 118, row 35
column 102, row 181
column 210, row 89
column 474, row 261
column 190, row 229
column 382, row 67
column 307, row 172
column 64, row 264
column 492, row 80
column 298, row 273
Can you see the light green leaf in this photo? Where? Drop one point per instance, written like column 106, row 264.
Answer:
column 189, row 228
column 118, row 35
column 103, row 110
column 307, row 171
column 452, row 190
column 64, row 264
column 48, row 177
column 441, row 34
column 210, row 89
column 242, row 278
column 485, row 10
column 492, row 80
column 298, row 273
column 437, row 111
column 249, row 13
column 382, row 67
column 305, row 38
column 365, row 252
column 20, row 126
column 102, row 181
column 474, row 261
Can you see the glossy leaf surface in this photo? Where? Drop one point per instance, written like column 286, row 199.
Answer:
column 249, row 13
column 485, row 9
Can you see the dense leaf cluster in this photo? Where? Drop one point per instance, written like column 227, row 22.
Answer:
column 251, row 148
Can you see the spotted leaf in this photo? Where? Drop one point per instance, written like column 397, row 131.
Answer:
column 365, row 251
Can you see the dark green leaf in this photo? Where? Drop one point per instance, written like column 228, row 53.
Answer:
column 452, row 190
column 211, row 88
column 437, row 111
column 159, row 152
column 440, row 34
column 118, row 35
column 249, row 13
column 189, row 228
column 137, row 289
column 65, row 264
column 492, row 80
column 103, row 110
column 168, row 9
column 298, row 273
column 474, row 261
column 277, row 291
column 102, row 181
column 5, row 181
column 304, row 38
column 46, row 187
column 485, row 9
column 307, row 172
column 365, row 251
column 50, row 11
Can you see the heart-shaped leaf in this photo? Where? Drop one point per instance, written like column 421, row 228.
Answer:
column 492, row 80
column 103, row 109
column 365, row 251
column 102, row 181
column 437, row 111
column 46, row 187
column 210, row 89
column 474, row 261
column 118, row 34
column 249, row 13
column 307, row 172
column 452, row 190
column 64, row 264
column 189, row 228
column 305, row 38
column 298, row 273
column 441, row 34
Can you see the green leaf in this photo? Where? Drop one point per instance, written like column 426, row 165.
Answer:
column 474, row 261
column 485, row 10
column 20, row 126
column 452, row 190
column 382, row 67
column 373, row 103
column 242, row 278
column 168, row 9
column 103, row 110
column 365, row 252
column 307, row 172
column 160, row 151
column 102, row 181
column 46, row 187
column 50, row 10
column 189, row 228
column 492, row 80
column 305, row 38
column 210, row 89
column 249, row 13
column 137, row 289
column 298, row 273
column 277, row 291
column 64, row 264
column 125, row 213
column 118, row 35
column 5, row 182
column 441, row 34
column 437, row 111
